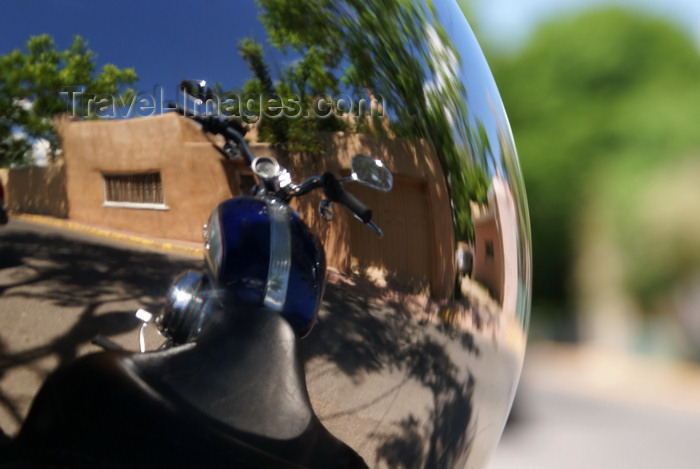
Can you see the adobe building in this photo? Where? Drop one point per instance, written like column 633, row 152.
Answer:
column 162, row 176
column 495, row 242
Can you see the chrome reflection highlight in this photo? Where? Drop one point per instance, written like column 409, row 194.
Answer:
column 213, row 245
column 418, row 346
column 280, row 256
column 371, row 172
column 186, row 308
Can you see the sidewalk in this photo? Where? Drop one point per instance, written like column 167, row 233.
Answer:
column 613, row 376
column 581, row 407
column 173, row 246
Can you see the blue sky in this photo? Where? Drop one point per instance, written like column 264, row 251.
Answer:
column 508, row 22
column 166, row 40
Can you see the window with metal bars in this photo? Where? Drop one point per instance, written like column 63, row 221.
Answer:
column 141, row 190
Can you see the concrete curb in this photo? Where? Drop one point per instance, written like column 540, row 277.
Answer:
column 156, row 244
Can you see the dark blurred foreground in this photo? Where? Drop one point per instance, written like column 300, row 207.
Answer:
column 57, row 292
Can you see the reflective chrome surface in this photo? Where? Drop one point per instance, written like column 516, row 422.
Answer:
column 371, row 172
column 419, row 344
column 280, row 256
column 185, row 310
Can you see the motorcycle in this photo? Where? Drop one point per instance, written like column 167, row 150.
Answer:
column 414, row 359
column 227, row 389
column 243, row 232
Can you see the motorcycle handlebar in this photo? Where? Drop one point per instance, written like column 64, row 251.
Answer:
column 229, row 129
column 334, row 192
column 332, row 188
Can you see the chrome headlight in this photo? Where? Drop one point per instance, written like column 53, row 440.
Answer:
column 187, row 307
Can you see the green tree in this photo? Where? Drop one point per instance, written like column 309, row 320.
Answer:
column 599, row 97
column 396, row 50
column 294, row 135
column 30, row 86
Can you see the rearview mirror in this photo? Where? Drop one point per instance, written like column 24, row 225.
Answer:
column 371, row 172
column 197, row 89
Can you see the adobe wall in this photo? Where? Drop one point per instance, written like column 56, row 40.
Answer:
column 488, row 270
column 195, row 179
column 497, row 223
column 37, row 190
column 190, row 169
column 419, row 202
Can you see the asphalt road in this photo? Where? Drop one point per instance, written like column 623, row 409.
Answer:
column 58, row 289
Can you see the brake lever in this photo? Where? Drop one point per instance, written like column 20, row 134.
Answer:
column 375, row 228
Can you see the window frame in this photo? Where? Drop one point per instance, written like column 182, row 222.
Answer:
column 130, row 204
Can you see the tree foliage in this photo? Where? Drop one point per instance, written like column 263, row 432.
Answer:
column 30, row 86
column 395, row 51
column 601, row 97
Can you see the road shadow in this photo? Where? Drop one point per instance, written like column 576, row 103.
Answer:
column 92, row 277
column 356, row 333
column 367, row 338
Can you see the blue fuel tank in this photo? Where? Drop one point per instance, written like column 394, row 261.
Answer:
column 258, row 251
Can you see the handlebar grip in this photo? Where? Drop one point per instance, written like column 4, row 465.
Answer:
column 335, row 192
column 229, row 128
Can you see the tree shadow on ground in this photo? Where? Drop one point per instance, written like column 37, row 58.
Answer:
column 356, row 333
column 91, row 277
column 363, row 336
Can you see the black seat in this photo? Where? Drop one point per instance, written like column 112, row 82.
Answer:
column 237, row 398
